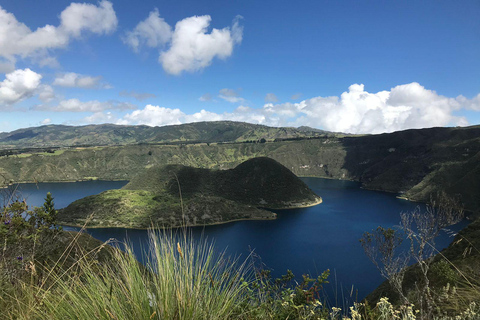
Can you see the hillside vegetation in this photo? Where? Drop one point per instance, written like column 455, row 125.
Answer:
column 176, row 195
column 416, row 163
column 47, row 273
column 110, row 134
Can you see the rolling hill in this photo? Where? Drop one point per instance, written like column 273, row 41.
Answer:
column 110, row 134
column 176, row 195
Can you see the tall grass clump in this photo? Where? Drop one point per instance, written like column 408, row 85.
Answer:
column 182, row 279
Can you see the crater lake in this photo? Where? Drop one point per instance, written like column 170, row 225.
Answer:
column 306, row 241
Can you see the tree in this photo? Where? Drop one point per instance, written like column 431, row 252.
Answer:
column 381, row 247
column 50, row 212
column 420, row 228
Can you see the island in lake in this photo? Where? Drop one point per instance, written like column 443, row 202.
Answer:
column 177, row 195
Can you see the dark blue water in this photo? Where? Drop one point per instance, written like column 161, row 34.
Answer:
column 307, row 240
column 64, row 193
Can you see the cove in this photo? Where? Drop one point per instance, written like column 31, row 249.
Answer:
column 307, row 240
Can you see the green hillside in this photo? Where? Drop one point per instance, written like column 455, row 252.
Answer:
column 110, row 134
column 176, row 195
column 416, row 163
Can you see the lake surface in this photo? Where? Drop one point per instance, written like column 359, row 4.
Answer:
column 307, row 240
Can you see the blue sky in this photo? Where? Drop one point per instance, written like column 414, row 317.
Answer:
column 351, row 66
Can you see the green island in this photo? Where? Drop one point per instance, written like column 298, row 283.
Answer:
column 178, row 196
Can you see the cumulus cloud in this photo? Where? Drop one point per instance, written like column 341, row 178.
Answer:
column 153, row 32
column 160, row 116
column 153, row 116
column 230, row 95
column 189, row 47
column 75, row 105
column 19, row 85
column 17, row 40
column 79, row 17
column 473, row 104
column 192, row 48
column 271, row 97
column 140, row 96
column 358, row 111
column 75, row 80
column 355, row 111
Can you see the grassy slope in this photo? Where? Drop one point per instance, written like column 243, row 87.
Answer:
column 109, row 134
column 141, row 209
column 259, row 182
column 417, row 162
column 208, row 196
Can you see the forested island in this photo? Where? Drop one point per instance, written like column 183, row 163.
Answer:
column 179, row 196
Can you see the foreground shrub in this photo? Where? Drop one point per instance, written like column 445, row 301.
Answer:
column 181, row 280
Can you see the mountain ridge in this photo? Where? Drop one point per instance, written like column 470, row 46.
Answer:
column 415, row 163
column 112, row 134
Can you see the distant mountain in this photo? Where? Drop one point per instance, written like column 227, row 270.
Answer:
column 176, row 195
column 110, row 134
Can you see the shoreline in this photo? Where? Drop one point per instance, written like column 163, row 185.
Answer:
column 317, row 202
column 58, row 181
column 166, row 228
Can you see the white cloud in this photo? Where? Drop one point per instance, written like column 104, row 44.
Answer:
column 75, row 80
column 153, row 32
column 46, row 93
column 75, row 105
column 230, row 95
column 203, row 115
column 153, row 116
column 160, row 116
column 473, row 104
column 358, row 111
column 188, row 47
column 45, row 121
column 192, row 48
column 140, row 96
column 78, row 17
column 271, row 97
column 355, row 111
column 17, row 40
column 18, row 85
column 100, row 117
